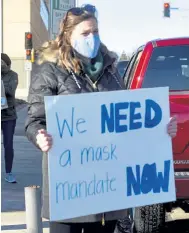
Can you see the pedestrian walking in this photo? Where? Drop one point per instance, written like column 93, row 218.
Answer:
column 75, row 62
column 9, row 80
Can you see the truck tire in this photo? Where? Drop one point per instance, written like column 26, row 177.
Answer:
column 149, row 219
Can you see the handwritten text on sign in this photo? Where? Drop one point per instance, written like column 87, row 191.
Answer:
column 110, row 152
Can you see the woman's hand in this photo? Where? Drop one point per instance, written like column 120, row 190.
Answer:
column 172, row 127
column 44, row 140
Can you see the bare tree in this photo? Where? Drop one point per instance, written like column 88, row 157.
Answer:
column 124, row 56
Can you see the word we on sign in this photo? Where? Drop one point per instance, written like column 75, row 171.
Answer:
column 110, row 152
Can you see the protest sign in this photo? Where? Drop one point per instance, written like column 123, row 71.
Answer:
column 111, row 151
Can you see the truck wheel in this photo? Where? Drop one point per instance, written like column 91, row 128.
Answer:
column 148, row 219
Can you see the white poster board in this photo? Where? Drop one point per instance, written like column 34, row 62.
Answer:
column 110, row 151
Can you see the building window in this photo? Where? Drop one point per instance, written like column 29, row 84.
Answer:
column 44, row 14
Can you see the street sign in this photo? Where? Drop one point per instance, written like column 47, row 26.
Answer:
column 28, row 66
column 58, row 11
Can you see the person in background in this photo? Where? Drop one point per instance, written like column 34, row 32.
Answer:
column 76, row 62
column 8, row 115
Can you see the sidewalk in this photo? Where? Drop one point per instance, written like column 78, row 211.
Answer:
column 27, row 168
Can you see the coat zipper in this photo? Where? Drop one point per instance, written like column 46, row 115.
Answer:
column 94, row 84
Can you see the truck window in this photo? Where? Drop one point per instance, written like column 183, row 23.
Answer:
column 132, row 68
column 168, row 66
column 121, row 66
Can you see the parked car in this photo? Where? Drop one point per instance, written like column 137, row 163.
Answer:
column 121, row 66
column 159, row 63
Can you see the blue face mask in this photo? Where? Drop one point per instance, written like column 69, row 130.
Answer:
column 87, row 46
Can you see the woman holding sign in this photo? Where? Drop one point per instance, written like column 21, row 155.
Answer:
column 76, row 62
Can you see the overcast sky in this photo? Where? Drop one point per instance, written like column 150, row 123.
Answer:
column 127, row 24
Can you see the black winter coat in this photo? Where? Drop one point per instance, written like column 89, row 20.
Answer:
column 10, row 81
column 51, row 79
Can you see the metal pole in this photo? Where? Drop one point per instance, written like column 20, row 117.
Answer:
column 28, row 81
column 33, row 209
column 28, row 78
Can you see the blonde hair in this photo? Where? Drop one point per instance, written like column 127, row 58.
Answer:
column 47, row 52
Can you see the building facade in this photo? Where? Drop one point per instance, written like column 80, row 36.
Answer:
column 18, row 17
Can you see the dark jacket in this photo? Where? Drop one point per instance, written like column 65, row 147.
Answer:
column 10, row 81
column 51, row 79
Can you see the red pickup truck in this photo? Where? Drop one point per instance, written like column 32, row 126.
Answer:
column 165, row 62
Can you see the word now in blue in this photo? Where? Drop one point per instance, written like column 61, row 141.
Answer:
column 111, row 117
column 147, row 179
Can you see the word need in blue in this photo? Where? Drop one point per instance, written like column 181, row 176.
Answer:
column 124, row 116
